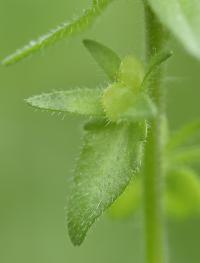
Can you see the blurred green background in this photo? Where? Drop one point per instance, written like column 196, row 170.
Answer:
column 37, row 150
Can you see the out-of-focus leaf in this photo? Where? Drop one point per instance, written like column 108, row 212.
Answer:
column 182, row 193
column 155, row 63
column 184, row 135
column 182, row 19
column 127, row 204
column 67, row 29
column 164, row 131
column 107, row 59
column 109, row 158
column 81, row 101
column 120, row 103
column 185, row 156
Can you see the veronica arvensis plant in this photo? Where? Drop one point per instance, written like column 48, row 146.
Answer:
column 127, row 132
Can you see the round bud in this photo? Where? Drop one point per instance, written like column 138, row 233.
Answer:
column 117, row 98
column 131, row 73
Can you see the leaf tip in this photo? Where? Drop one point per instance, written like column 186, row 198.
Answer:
column 87, row 41
column 29, row 101
column 6, row 61
column 77, row 229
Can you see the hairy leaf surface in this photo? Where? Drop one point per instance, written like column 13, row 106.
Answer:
column 107, row 59
column 81, row 101
column 155, row 63
column 67, row 29
column 109, row 158
column 182, row 19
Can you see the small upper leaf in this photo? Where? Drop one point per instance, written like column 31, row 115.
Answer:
column 107, row 59
column 154, row 64
column 182, row 19
column 81, row 101
column 109, row 158
column 67, row 29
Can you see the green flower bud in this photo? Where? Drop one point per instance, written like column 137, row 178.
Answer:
column 131, row 73
column 117, row 98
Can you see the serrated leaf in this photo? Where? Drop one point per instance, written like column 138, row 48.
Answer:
column 107, row 59
column 67, row 29
column 182, row 193
column 156, row 61
column 128, row 203
column 81, row 101
column 110, row 156
column 184, row 135
column 182, row 18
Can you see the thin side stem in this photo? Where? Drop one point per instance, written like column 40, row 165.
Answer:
column 155, row 251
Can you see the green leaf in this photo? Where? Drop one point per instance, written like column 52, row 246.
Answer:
column 110, row 156
column 142, row 109
column 81, row 101
column 184, row 135
column 182, row 193
column 66, row 29
column 128, row 203
column 182, row 18
column 154, row 64
column 107, row 59
column 122, row 104
column 185, row 156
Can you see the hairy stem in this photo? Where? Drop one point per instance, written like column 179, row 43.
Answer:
column 153, row 159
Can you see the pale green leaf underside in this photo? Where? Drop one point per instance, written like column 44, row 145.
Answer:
column 82, row 101
column 182, row 19
column 109, row 158
column 107, row 59
column 67, row 29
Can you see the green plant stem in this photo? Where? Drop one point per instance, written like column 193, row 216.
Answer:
column 155, row 251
